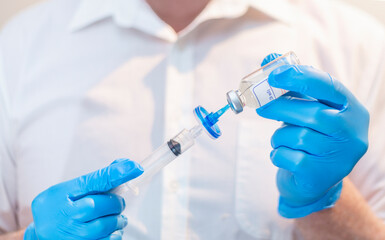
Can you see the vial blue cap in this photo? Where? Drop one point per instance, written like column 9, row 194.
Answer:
column 209, row 120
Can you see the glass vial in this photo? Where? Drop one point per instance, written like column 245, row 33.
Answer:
column 254, row 90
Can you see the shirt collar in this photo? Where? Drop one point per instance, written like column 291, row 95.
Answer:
column 137, row 13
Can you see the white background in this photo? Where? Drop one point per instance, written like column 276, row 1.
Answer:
column 10, row 7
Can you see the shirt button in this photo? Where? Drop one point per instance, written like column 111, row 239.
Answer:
column 173, row 186
column 180, row 45
column 225, row 216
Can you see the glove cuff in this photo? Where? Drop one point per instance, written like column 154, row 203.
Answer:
column 327, row 201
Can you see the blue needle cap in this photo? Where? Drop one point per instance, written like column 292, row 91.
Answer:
column 209, row 120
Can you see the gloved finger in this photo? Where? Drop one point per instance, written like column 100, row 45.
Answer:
column 105, row 179
column 117, row 235
column 119, row 160
column 105, row 226
column 304, row 113
column 310, row 81
column 312, row 174
column 288, row 159
column 95, row 206
column 269, row 58
column 288, row 186
column 304, row 139
column 30, row 233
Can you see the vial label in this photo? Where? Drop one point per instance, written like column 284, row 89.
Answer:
column 264, row 93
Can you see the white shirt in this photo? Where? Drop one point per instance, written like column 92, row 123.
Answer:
column 86, row 82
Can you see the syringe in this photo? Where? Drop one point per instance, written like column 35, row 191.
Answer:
column 174, row 148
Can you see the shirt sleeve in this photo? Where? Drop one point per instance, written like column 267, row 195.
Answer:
column 8, row 203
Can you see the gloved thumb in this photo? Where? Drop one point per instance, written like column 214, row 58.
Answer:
column 105, row 179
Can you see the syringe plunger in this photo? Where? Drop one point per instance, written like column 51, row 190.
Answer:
column 173, row 148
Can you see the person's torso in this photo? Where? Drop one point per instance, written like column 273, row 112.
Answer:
column 107, row 92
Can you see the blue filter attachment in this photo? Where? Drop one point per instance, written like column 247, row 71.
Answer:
column 209, row 120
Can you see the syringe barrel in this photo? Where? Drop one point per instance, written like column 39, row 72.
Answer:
column 159, row 159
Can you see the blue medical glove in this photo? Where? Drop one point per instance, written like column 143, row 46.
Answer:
column 325, row 133
column 83, row 208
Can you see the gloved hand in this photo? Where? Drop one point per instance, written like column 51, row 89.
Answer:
column 82, row 208
column 325, row 133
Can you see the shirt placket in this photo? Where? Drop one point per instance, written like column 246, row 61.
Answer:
column 178, row 115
